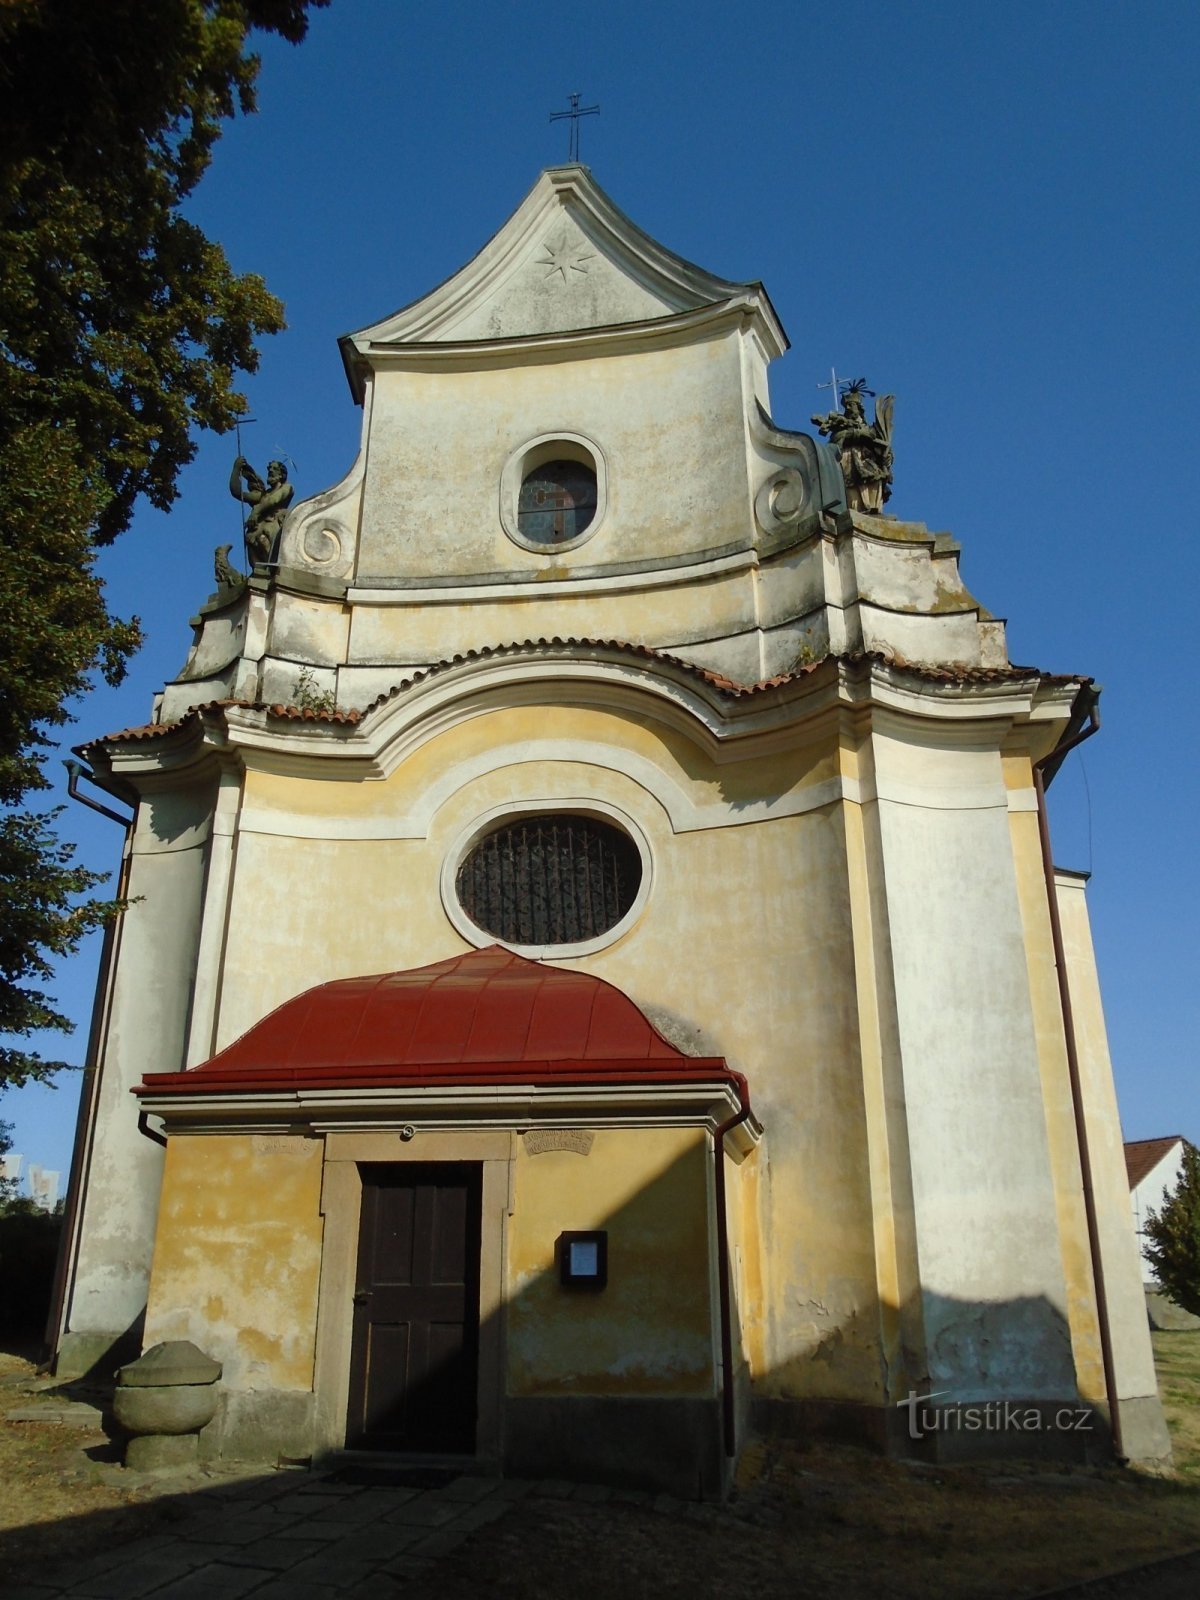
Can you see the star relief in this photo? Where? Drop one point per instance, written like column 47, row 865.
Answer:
column 564, row 256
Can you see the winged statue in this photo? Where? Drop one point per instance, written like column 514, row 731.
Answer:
column 864, row 448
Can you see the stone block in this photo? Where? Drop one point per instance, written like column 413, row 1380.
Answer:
column 152, row 1452
column 182, row 1410
column 167, row 1365
column 672, row 1446
column 1167, row 1317
column 266, row 1425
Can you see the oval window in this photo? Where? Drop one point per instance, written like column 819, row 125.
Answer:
column 557, row 502
column 550, row 879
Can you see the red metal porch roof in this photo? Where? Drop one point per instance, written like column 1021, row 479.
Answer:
column 485, row 1017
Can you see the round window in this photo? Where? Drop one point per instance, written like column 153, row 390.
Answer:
column 557, row 502
column 550, row 878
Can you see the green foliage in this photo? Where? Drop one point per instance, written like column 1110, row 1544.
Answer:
column 1174, row 1236
column 8, row 1188
column 309, row 697
column 41, row 916
column 122, row 331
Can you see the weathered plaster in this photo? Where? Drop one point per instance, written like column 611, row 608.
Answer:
column 237, row 1255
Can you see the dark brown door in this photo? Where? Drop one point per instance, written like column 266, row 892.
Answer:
column 413, row 1370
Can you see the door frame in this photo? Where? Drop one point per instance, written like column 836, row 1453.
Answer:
column 341, row 1207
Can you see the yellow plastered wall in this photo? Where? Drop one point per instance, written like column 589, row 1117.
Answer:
column 238, row 1254
column 766, row 979
column 746, row 1264
column 650, row 1330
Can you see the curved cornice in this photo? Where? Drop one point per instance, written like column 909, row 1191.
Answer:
column 724, row 720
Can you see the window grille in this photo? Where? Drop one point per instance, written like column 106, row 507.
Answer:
column 557, row 502
column 550, row 879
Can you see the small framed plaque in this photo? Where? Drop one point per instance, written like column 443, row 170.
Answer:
column 583, row 1259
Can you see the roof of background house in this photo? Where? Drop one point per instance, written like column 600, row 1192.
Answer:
column 1143, row 1155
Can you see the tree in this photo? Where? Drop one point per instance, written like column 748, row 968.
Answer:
column 122, row 331
column 1174, row 1235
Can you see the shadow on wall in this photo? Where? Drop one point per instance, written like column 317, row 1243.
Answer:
column 958, row 1380
column 621, row 1384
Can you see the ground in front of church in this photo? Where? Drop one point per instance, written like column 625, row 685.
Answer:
column 814, row 1521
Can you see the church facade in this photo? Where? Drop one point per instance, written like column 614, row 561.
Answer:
column 594, row 985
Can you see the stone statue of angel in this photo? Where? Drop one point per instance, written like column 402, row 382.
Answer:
column 268, row 504
column 864, row 448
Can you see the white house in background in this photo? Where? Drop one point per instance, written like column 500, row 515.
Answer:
column 43, row 1186
column 1153, row 1166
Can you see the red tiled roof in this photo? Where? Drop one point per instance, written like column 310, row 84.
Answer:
column 960, row 674
column 1143, row 1155
column 485, row 1017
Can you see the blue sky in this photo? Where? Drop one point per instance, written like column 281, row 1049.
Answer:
column 989, row 210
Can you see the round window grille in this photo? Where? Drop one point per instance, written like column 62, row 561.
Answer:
column 557, row 502
column 550, row 879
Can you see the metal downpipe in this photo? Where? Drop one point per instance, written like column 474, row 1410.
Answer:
column 1077, row 1105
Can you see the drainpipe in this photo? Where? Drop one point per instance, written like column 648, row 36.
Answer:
column 85, row 1123
column 1081, row 1137
column 728, row 1408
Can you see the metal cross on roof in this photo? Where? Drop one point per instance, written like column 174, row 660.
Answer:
column 836, row 384
column 574, row 114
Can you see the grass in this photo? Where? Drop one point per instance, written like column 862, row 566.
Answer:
column 1177, row 1359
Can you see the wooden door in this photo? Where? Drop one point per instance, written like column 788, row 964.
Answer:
column 414, row 1362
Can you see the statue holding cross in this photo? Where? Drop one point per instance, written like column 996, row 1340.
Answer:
column 864, row 448
column 268, row 504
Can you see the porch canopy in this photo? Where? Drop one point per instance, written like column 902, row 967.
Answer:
column 487, row 1017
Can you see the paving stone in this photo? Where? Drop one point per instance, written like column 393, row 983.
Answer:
column 71, row 1413
column 105, row 1560
column 480, row 1514
column 215, row 1581
column 91, row 1566
column 242, row 1530
column 31, row 1591
column 275, row 1552
column 256, row 1490
column 326, row 1529
column 148, row 1545
column 403, row 1572
column 469, row 1489
column 308, row 1505
column 368, row 1505
column 333, row 1572
column 442, row 1542
column 595, row 1493
column 554, row 1489
column 133, row 1578
column 514, row 1488
column 424, row 1512
column 288, row 1589
column 378, row 1543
